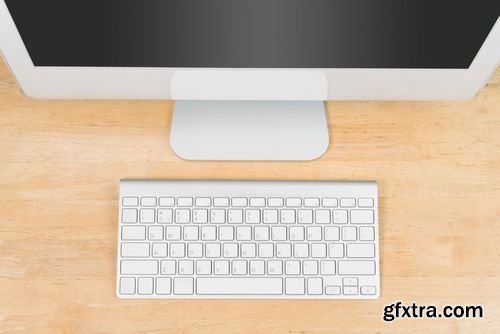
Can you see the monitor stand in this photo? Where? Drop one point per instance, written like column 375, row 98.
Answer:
column 249, row 130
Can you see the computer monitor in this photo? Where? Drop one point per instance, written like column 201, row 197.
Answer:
column 250, row 76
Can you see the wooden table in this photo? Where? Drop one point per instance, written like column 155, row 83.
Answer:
column 438, row 168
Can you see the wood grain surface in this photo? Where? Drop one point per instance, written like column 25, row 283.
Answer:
column 437, row 165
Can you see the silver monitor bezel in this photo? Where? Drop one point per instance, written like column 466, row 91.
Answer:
column 156, row 83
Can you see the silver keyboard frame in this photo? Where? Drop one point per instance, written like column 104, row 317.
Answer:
column 250, row 188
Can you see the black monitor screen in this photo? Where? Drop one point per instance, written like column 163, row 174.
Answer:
column 255, row 33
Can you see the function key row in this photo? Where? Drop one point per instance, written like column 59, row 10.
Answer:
column 293, row 202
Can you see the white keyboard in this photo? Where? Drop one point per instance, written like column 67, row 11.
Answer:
column 248, row 239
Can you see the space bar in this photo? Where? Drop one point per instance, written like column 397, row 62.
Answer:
column 239, row 286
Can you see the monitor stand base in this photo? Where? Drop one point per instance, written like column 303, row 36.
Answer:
column 249, row 130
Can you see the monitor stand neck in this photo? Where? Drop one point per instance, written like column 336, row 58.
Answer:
column 249, row 130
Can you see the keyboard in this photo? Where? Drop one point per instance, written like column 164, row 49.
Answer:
column 248, row 239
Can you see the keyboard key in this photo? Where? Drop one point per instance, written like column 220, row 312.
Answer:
column 322, row 216
column 127, row 285
column 173, row 233
column 221, row 267
column 159, row 250
column 274, row 267
column 203, row 267
column 257, row 267
column 258, row 202
column 167, row 201
column 266, row 250
column 129, row 216
column 235, row 216
column 184, row 201
column 330, row 202
column 168, row 267
column 314, row 233
column 239, row 202
column 275, row 202
column 165, row 216
column 311, row 202
column 349, row 233
column 305, row 216
column 350, row 290
column 360, row 250
column 336, row 250
column 208, row 233
column 190, row 233
column 327, row 267
column 356, row 267
column 135, row 249
column 239, row 267
column 195, row 250
column 183, row 286
column 230, row 250
column 301, row 250
column 318, row 251
column 347, row 202
column 310, row 267
column 186, row 267
column 292, row 267
column 139, row 267
column 177, row 250
column 283, row 250
column 287, row 216
column 366, row 233
column 278, row 233
column 148, row 201
column 252, row 216
column 270, row 216
column 365, row 202
column 212, row 250
column 221, row 202
column 368, row 290
column 332, row 233
column 155, row 233
column 339, row 216
column 147, row 216
column 217, row 216
column 130, row 201
column 332, row 290
column 145, row 285
column 239, row 286
column 132, row 233
column 297, row 233
column 314, row 286
column 182, row 216
column 294, row 286
column 361, row 216
column 163, row 286
column 226, row 233
column 200, row 216
column 294, row 202
column 244, row 233
column 203, row 202
column 261, row 233
column 350, row 281
column 248, row 250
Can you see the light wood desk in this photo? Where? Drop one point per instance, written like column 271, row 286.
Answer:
column 438, row 168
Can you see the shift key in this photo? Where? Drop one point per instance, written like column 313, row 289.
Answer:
column 356, row 267
column 139, row 267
